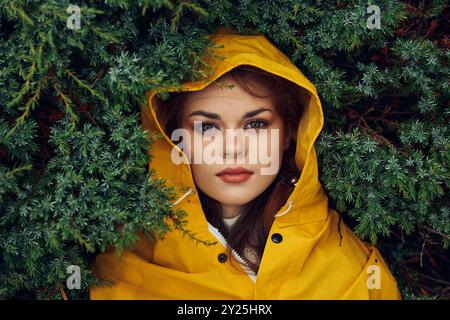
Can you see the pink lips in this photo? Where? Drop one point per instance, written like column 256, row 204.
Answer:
column 234, row 175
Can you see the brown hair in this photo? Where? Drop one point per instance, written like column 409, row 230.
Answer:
column 252, row 228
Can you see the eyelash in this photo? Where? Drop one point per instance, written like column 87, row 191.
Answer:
column 263, row 123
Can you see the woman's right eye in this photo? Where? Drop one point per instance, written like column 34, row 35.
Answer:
column 205, row 126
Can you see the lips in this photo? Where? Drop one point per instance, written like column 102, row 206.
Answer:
column 234, row 175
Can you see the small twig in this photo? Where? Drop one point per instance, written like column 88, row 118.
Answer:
column 409, row 270
column 63, row 293
column 28, row 106
column 84, row 85
column 436, row 232
column 421, row 254
column 66, row 100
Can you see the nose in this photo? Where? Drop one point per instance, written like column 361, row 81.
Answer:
column 234, row 144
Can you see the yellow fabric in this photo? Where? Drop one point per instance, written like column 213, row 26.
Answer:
column 312, row 261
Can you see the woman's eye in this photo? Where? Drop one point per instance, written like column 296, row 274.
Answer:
column 205, row 126
column 257, row 124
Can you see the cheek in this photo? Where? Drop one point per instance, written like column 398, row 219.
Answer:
column 201, row 148
column 275, row 144
column 188, row 144
column 270, row 163
column 203, row 173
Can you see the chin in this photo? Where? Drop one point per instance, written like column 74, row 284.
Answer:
column 234, row 198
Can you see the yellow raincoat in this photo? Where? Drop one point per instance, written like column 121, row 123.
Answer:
column 311, row 261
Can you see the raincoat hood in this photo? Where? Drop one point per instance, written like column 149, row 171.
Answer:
column 314, row 256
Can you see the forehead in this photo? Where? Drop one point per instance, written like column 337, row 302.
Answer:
column 225, row 95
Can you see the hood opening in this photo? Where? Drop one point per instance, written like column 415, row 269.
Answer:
column 257, row 51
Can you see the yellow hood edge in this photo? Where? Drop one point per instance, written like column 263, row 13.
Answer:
column 258, row 51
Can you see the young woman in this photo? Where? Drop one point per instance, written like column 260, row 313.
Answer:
column 275, row 236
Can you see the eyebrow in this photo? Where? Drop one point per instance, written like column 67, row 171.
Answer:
column 217, row 116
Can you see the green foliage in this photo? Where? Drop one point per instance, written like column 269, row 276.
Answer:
column 73, row 155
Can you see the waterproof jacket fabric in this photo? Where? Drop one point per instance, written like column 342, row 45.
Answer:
column 318, row 257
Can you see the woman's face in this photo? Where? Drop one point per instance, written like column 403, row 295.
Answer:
column 220, row 108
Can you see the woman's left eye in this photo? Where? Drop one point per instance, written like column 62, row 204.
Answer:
column 256, row 124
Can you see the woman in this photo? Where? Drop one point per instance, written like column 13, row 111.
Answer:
column 276, row 237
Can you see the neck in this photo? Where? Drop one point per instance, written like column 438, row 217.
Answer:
column 230, row 211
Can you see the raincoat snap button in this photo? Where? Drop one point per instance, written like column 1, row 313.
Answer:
column 277, row 238
column 222, row 257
